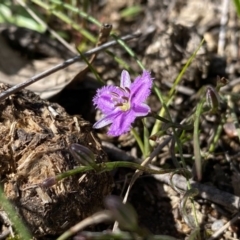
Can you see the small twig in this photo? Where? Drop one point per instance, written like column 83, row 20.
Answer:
column 223, row 228
column 63, row 65
column 222, row 31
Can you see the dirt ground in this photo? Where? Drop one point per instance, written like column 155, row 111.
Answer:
column 171, row 32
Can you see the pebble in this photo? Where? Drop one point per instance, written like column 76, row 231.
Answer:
column 216, row 225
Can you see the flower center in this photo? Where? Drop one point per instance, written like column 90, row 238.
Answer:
column 125, row 106
column 121, row 100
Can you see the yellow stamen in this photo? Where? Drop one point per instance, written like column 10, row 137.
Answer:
column 125, row 106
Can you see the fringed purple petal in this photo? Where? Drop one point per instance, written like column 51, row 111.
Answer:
column 125, row 79
column 141, row 87
column 122, row 123
column 103, row 99
column 141, row 110
column 103, row 122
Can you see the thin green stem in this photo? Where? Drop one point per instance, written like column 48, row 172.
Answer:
column 17, row 222
column 120, row 61
column 234, row 116
column 78, row 11
column 91, row 68
column 138, row 139
column 196, row 143
column 146, row 139
column 158, row 124
column 237, row 6
column 129, row 50
column 66, row 19
column 217, row 135
column 109, row 166
column 176, row 137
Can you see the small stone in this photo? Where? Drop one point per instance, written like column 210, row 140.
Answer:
column 217, row 224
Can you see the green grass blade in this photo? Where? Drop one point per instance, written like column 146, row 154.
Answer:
column 237, row 6
column 196, row 143
column 131, row 11
column 129, row 50
column 120, row 61
column 234, row 116
column 138, row 139
column 17, row 222
column 162, row 112
column 179, row 77
column 66, row 19
column 78, row 11
column 217, row 135
column 18, row 16
column 93, row 70
column 145, row 138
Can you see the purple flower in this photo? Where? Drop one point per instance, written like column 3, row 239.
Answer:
column 121, row 105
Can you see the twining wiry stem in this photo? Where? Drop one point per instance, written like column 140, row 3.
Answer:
column 63, row 65
column 109, row 166
column 102, row 167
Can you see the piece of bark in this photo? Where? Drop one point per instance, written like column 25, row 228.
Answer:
column 35, row 135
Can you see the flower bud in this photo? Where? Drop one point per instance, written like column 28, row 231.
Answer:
column 212, row 98
column 49, row 182
column 83, row 155
column 124, row 214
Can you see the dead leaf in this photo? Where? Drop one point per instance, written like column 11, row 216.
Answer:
column 15, row 69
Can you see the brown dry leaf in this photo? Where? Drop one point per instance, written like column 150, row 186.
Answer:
column 15, row 69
